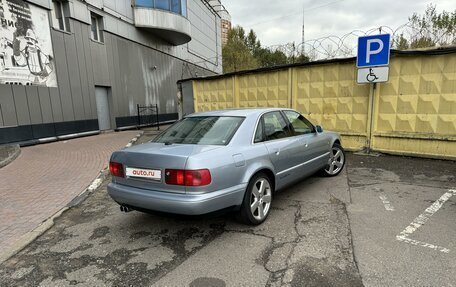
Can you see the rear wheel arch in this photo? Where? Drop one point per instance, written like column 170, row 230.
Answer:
column 268, row 173
column 334, row 141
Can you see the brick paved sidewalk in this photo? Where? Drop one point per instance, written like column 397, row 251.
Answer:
column 45, row 178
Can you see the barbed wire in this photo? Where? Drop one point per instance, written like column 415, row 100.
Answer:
column 407, row 35
column 334, row 46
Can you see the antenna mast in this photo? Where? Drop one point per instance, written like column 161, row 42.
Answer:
column 303, row 38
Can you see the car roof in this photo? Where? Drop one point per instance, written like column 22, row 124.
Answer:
column 236, row 112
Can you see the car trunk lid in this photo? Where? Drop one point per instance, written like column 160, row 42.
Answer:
column 152, row 159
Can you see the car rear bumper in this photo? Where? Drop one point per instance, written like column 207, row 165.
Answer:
column 178, row 203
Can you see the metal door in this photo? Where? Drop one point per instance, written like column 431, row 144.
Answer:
column 103, row 112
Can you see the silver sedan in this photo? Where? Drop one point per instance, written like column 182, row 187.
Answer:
column 223, row 159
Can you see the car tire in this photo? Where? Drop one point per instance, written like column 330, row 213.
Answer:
column 336, row 161
column 256, row 205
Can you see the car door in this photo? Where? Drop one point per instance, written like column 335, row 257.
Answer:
column 312, row 147
column 278, row 142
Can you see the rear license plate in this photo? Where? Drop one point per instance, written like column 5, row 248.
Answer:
column 153, row 174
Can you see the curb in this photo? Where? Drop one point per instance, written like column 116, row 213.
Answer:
column 57, row 138
column 13, row 152
column 29, row 237
column 135, row 139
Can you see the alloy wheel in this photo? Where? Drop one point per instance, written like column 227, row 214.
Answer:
column 336, row 161
column 260, row 199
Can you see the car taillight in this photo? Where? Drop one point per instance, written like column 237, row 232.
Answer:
column 198, row 177
column 116, row 169
column 174, row 176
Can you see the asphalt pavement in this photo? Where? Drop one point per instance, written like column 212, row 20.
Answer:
column 340, row 231
column 44, row 178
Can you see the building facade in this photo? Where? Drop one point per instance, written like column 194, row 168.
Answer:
column 75, row 67
column 225, row 18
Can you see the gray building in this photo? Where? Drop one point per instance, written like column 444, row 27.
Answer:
column 75, row 67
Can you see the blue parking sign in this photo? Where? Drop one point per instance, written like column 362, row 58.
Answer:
column 373, row 50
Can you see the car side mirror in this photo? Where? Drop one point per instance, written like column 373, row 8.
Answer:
column 319, row 129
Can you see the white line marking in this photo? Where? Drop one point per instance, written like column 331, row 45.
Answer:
column 386, row 203
column 95, row 184
column 422, row 219
column 422, row 244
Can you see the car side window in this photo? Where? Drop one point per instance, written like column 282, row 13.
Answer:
column 259, row 134
column 275, row 126
column 299, row 123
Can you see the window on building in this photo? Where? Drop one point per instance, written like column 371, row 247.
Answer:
column 61, row 15
column 174, row 6
column 162, row 4
column 96, row 27
column 184, row 8
column 145, row 3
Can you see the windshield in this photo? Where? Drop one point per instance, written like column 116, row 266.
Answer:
column 201, row 131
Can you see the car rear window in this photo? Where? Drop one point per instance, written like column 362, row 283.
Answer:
column 201, row 131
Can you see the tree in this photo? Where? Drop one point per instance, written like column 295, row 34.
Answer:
column 302, row 58
column 401, row 42
column 429, row 30
column 253, row 43
column 268, row 58
column 236, row 54
column 242, row 52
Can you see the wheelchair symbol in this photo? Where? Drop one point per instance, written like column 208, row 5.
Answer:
column 371, row 77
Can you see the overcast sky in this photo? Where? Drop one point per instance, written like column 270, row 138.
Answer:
column 280, row 21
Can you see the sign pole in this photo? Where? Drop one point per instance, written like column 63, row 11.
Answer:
column 370, row 114
column 372, row 62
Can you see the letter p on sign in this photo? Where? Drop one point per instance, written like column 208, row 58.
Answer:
column 373, row 50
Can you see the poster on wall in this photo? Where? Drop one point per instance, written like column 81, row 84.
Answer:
column 26, row 56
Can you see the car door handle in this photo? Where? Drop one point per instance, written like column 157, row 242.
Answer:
column 276, row 151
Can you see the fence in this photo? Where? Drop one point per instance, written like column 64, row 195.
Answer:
column 413, row 113
column 148, row 115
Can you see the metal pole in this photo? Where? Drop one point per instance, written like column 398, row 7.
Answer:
column 302, row 40
column 1, row 113
column 370, row 114
column 139, row 116
column 158, row 122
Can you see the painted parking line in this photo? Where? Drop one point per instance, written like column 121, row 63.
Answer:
column 386, row 203
column 422, row 219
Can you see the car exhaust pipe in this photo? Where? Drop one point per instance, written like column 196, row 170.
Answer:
column 125, row 209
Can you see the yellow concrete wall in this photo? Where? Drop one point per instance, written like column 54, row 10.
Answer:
column 413, row 113
column 329, row 96
column 264, row 89
column 213, row 95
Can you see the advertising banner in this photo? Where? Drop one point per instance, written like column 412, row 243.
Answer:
column 26, row 56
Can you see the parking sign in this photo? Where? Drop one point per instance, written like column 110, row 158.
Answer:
column 373, row 50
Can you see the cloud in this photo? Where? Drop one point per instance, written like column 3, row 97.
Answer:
column 279, row 22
